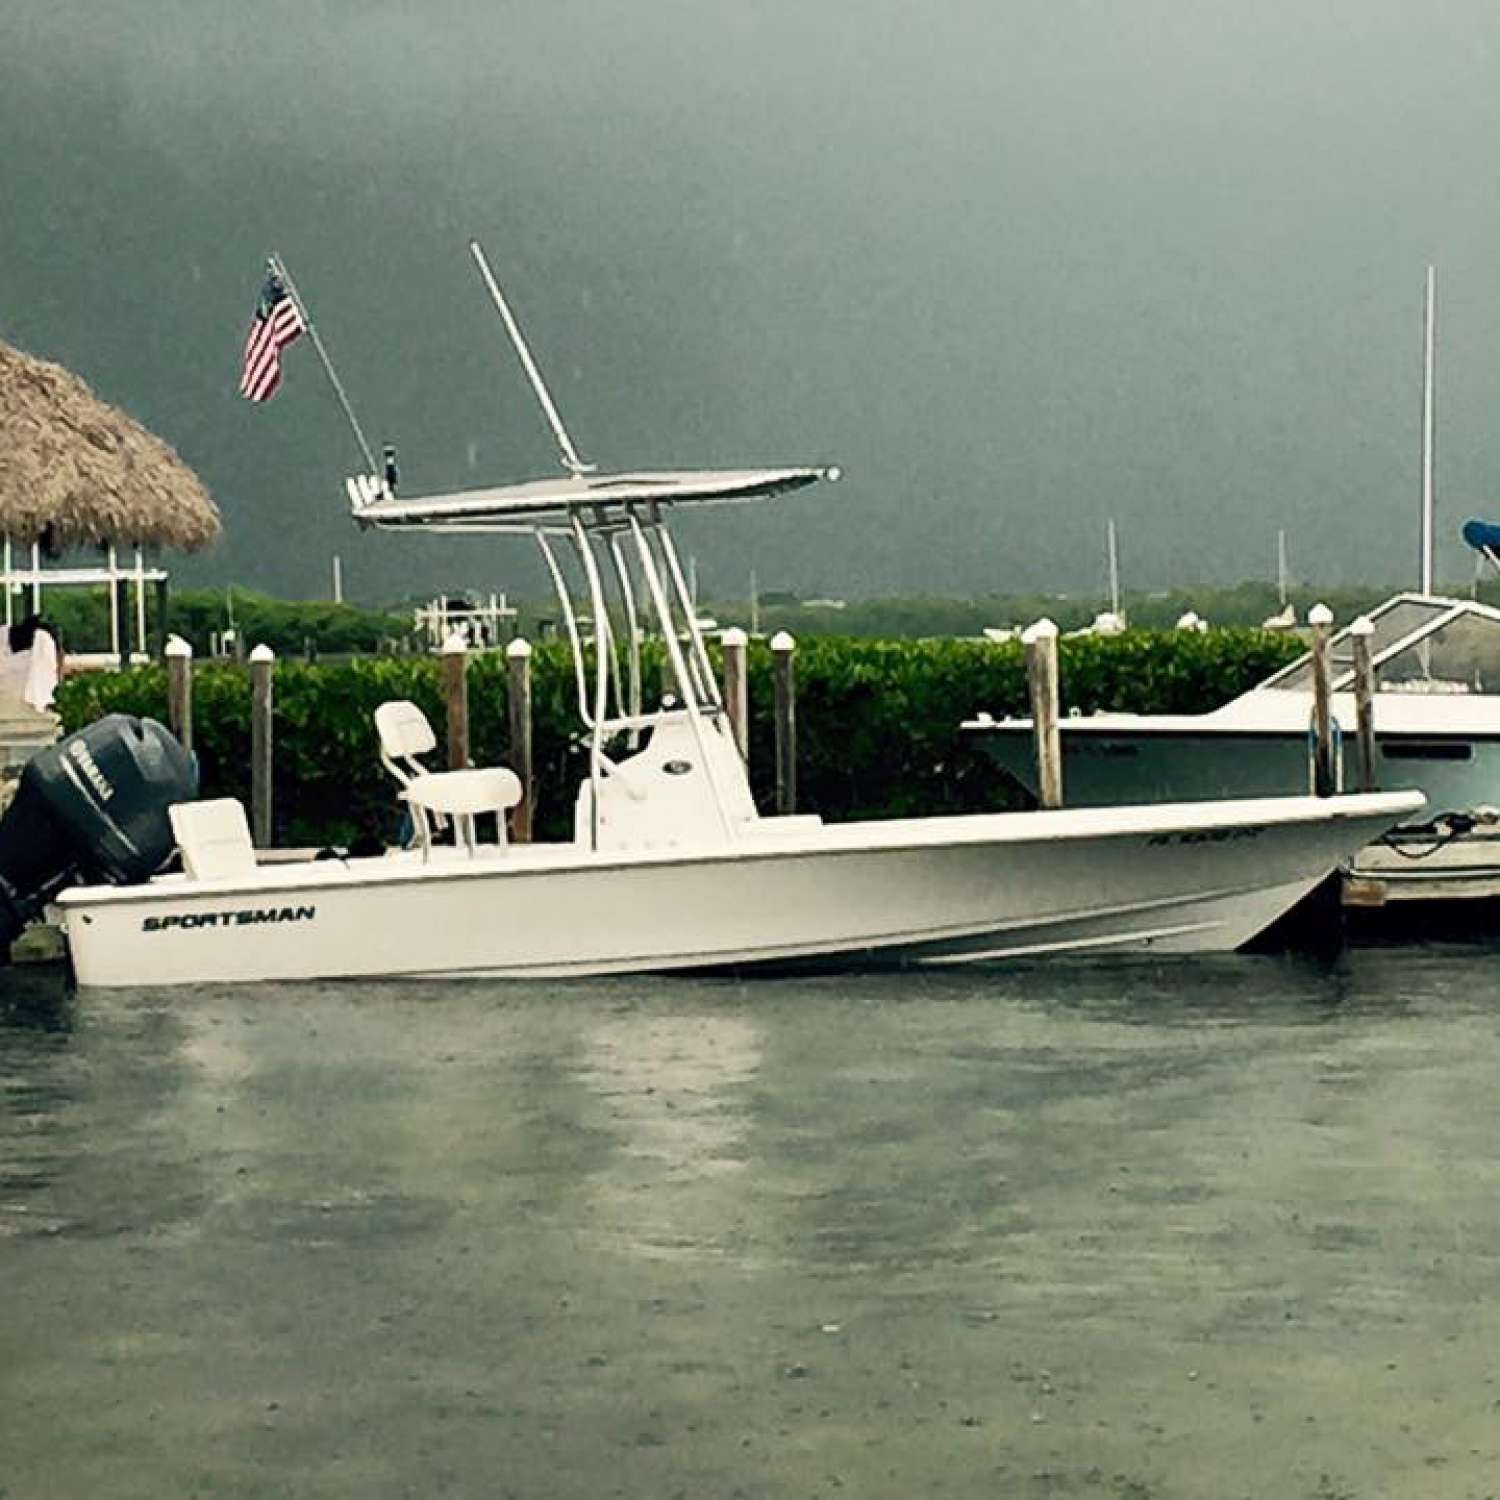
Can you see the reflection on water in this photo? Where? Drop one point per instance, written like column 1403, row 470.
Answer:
column 65, row 1168
column 673, row 1089
column 34, row 998
column 1066, row 1229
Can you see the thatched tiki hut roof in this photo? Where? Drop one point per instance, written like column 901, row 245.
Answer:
column 75, row 471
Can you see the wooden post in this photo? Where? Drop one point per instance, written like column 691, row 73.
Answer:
column 162, row 597
column 1364, row 699
column 1320, row 618
column 262, row 669
column 518, row 684
column 456, row 700
column 120, row 602
column 737, row 687
column 1040, row 641
column 179, row 658
column 784, row 673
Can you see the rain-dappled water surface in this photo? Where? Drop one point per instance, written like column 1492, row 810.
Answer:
column 1193, row 1229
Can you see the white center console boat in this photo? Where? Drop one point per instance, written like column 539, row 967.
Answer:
column 670, row 865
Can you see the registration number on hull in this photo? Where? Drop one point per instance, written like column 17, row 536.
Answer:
column 1207, row 835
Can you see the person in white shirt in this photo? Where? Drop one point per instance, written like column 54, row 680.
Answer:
column 30, row 662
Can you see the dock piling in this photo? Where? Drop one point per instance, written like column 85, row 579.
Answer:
column 737, row 687
column 784, row 673
column 1040, row 641
column 262, row 671
column 455, row 676
column 1364, row 699
column 518, row 703
column 179, row 659
column 1324, row 779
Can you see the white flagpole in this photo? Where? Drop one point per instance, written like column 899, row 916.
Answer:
column 1429, row 406
column 278, row 268
column 1114, row 571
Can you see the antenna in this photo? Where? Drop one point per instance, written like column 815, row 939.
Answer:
column 570, row 459
column 1429, row 405
column 1281, row 571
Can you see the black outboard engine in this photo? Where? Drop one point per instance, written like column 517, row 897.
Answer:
column 92, row 807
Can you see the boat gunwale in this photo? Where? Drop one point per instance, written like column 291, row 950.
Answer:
column 1179, row 821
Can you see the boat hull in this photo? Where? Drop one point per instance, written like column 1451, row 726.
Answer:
column 1203, row 878
column 1104, row 766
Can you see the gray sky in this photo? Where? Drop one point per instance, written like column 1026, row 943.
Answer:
column 1017, row 266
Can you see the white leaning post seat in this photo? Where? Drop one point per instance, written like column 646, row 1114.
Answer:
column 435, row 796
column 213, row 837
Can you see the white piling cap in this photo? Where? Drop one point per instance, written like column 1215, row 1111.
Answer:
column 1320, row 614
column 176, row 646
column 783, row 640
column 455, row 645
column 1364, row 625
column 262, row 653
column 518, row 650
column 734, row 636
column 1039, row 630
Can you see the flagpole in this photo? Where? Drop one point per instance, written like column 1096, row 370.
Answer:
column 278, row 268
column 1114, row 570
column 1429, row 403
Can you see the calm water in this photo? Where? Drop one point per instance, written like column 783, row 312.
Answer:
column 1197, row 1229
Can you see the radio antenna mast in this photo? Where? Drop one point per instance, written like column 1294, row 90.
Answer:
column 570, row 459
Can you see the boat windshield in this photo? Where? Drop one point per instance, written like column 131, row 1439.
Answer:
column 1420, row 645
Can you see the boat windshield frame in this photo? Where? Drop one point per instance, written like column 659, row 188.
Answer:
column 1442, row 613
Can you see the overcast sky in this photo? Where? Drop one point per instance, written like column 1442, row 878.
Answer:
column 1018, row 266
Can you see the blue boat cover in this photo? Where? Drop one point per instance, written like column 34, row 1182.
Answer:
column 1482, row 536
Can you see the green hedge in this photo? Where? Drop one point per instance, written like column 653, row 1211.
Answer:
column 877, row 721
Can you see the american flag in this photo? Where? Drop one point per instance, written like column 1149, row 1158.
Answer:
column 277, row 322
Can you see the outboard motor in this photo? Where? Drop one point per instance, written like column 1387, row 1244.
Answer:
column 92, row 807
